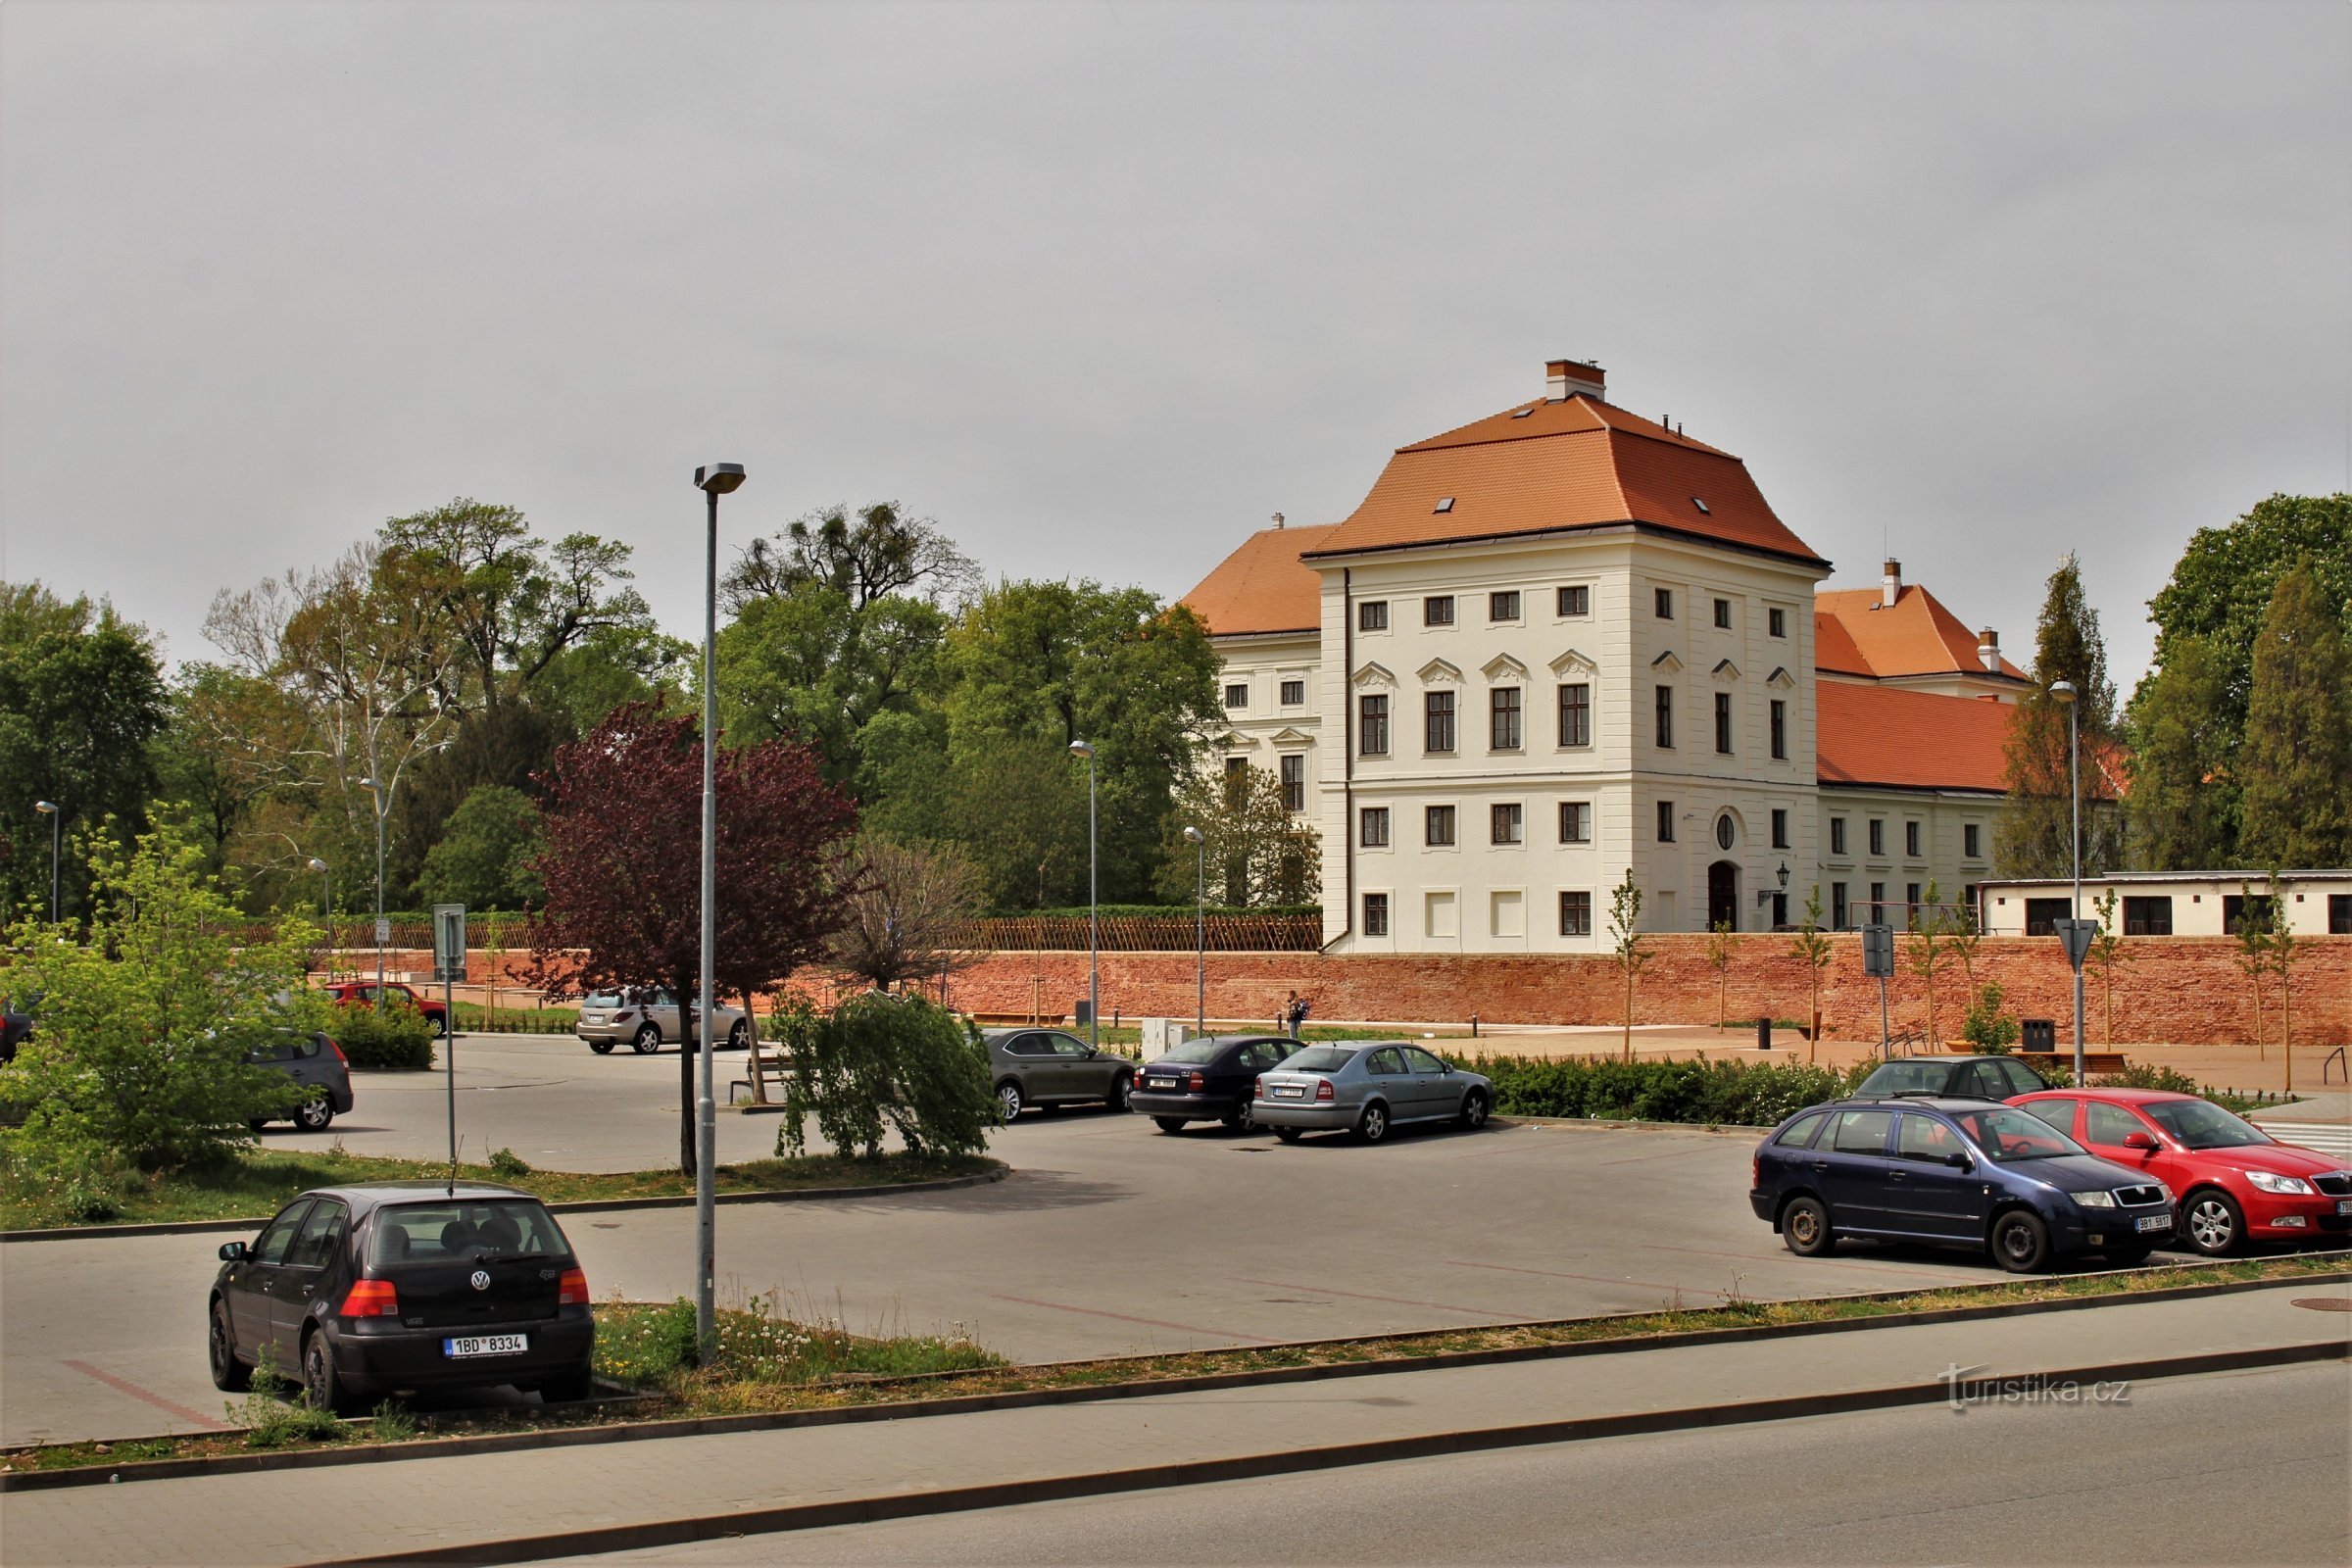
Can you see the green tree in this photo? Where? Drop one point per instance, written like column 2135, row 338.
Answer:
column 1929, row 952
column 879, row 554
column 484, row 859
column 1258, row 852
column 2282, row 944
column 2296, row 764
column 812, row 665
column 2034, row 837
column 2252, row 929
column 1628, row 947
column 2184, row 797
column 1018, row 808
column 2107, row 953
column 882, row 1063
column 1813, row 950
column 1722, row 947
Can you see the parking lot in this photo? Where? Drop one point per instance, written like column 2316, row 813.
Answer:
column 1108, row 1238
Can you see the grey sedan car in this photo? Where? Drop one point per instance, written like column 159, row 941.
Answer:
column 1047, row 1068
column 1367, row 1090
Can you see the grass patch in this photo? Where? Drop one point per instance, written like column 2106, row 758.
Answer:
column 257, row 1185
column 769, row 1363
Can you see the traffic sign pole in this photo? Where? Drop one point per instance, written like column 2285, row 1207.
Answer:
column 448, row 968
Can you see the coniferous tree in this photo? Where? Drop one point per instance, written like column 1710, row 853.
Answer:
column 2184, row 796
column 2296, row 765
column 2035, row 838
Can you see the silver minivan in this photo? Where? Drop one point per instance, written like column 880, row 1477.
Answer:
column 647, row 1018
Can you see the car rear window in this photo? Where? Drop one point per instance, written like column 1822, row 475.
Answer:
column 1906, row 1077
column 1195, row 1051
column 1318, row 1058
column 447, row 1232
column 602, row 999
column 1800, row 1133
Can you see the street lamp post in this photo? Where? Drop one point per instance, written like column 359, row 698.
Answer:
column 326, row 896
column 1094, row 907
column 714, row 480
column 1199, row 843
column 48, row 808
column 375, row 791
column 2064, row 692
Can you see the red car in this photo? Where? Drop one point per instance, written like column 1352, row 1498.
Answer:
column 361, row 994
column 2236, row 1183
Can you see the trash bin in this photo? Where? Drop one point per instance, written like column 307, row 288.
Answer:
column 2040, row 1034
column 1764, row 1034
column 1082, row 1012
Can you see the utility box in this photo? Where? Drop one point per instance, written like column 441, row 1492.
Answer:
column 1878, row 952
column 2040, row 1034
column 1161, row 1036
column 1082, row 1012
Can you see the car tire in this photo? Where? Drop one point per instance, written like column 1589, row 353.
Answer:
column 1122, row 1089
column 228, row 1373
column 2021, row 1241
column 1288, row 1135
column 1805, row 1228
column 2212, row 1223
column 320, row 1382
column 1373, row 1125
column 569, row 1389
column 1242, row 1118
column 1009, row 1100
column 647, row 1040
column 313, row 1113
column 1168, row 1124
column 1473, row 1109
column 738, row 1037
column 603, row 1047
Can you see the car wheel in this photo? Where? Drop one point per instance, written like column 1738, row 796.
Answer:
column 739, row 1036
column 603, row 1047
column 313, row 1113
column 2021, row 1241
column 1122, row 1088
column 1009, row 1100
column 1168, row 1124
column 1473, row 1109
column 2212, row 1223
column 1373, row 1125
column 220, row 1347
column 1288, row 1135
column 318, row 1380
column 1805, row 1228
column 1242, row 1119
column 569, row 1389
column 647, row 1040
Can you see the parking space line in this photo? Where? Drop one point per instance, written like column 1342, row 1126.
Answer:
column 1150, row 1322
column 120, row 1385
column 1393, row 1300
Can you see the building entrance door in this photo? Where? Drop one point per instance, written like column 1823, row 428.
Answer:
column 1723, row 895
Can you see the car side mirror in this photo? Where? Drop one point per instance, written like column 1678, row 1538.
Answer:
column 2139, row 1139
column 1958, row 1159
column 233, row 1251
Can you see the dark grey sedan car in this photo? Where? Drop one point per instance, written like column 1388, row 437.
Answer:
column 1048, row 1067
column 1367, row 1090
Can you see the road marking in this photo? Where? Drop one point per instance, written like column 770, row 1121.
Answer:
column 1394, row 1300
column 120, row 1386
column 1151, row 1322
column 1599, row 1279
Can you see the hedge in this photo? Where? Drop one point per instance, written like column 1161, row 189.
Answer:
column 390, row 1039
column 1701, row 1093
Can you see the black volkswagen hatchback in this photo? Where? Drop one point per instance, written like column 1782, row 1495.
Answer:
column 404, row 1285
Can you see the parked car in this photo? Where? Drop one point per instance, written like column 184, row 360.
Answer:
column 16, row 1027
column 647, row 1018
column 317, row 1063
column 1367, row 1090
column 2236, row 1183
column 1213, row 1078
column 1987, row 1077
column 362, row 994
column 1047, row 1068
column 1969, row 1173
column 370, row 1290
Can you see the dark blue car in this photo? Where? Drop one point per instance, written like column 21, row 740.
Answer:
column 1971, row 1173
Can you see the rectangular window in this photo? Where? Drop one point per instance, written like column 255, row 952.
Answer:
column 1233, row 769
column 1502, row 718
column 2340, row 915
column 1776, row 622
column 1437, row 826
column 1372, row 729
column 2148, row 917
column 1293, row 781
column 1780, row 827
column 1438, row 610
column 1780, row 730
column 1878, row 835
column 1723, row 722
column 2237, row 907
column 1576, row 713
column 1576, row 914
column 1836, row 835
column 1372, row 614
column 1837, row 910
column 1576, row 600
column 1376, row 915
column 1666, row 718
column 1437, row 721
column 1576, row 822
column 1294, row 692
column 1503, row 606
column 2043, row 915
column 1723, row 615
column 1665, row 821
column 1375, row 831
column 1510, row 824
column 1911, row 910
column 1970, row 842
column 1237, row 694
column 1911, row 840
column 1878, row 904
column 1664, row 600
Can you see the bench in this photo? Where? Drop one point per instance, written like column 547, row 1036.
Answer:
column 2095, row 1063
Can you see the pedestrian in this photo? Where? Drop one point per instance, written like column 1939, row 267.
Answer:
column 1294, row 1013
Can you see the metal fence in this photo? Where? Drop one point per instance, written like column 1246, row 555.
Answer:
column 1029, row 933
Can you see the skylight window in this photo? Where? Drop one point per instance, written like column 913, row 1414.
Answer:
column 1444, row 503
column 1700, row 505
column 1523, row 412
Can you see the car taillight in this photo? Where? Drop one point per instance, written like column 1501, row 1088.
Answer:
column 341, row 1060
column 573, row 1291
column 1257, row 1089
column 1755, row 1170
column 622, row 1017
column 372, row 1299
column 1323, row 1090
column 1195, row 1083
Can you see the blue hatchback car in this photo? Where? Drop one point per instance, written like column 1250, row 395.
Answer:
column 1971, row 1173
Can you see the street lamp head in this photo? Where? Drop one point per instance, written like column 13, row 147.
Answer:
column 2063, row 690
column 1192, row 835
column 45, row 807
column 317, row 864
column 1784, row 873
column 1081, row 749
column 719, row 478
column 371, row 783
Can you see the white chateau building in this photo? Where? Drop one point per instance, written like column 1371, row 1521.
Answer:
column 1565, row 641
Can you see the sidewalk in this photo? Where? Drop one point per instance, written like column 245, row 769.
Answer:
column 418, row 1504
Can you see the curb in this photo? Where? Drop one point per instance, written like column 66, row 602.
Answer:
column 588, row 1205
column 1719, row 1129
column 995, row 1495
column 1031, row 1398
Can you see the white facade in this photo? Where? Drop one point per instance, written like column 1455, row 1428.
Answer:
column 1926, row 842
column 1272, row 714
column 2181, row 904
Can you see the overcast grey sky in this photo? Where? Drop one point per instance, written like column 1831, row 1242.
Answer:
column 1101, row 286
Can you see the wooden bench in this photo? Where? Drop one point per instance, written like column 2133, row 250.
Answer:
column 2095, row 1063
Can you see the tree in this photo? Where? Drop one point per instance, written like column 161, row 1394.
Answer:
column 882, row 555
column 1258, row 852
column 2182, row 815
column 623, row 867
column 1929, row 950
column 1627, row 944
column 1722, row 949
column 2296, row 765
column 2108, row 953
column 1813, row 950
column 812, row 665
column 2283, row 964
column 2035, row 831
column 878, row 1062
column 1018, row 810
column 908, row 910
column 2253, row 932
column 484, row 859
column 1963, row 936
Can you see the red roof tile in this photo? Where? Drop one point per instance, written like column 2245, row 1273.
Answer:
column 1262, row 586
column 1916, row 635
column 1908, row 739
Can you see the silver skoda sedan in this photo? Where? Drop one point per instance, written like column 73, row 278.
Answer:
column 1369, row 1089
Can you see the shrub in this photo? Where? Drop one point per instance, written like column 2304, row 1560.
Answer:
column 506, row 1164
column 879, row 1061
column 1986, row 1027
column 1700, row 1092
column 395, row 1038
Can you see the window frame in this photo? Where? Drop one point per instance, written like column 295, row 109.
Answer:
column 1507, row 719
column 1372, row 830
column 1436, row 610
column 1291, row 770
column 1576, row 608
column 1371, row 615
column 1574, row 714
column 1430, row 716
column 1723, row 615
column 1780, row 827
column 1507, row 816
column 1371, row 721
column 1662, row 601
column 1779, row 722
column 1663, row 739
column 1776, row 621
column 1503, row 606
column 1285, row 700
column 1576, row 913
column 1723, row 724
column 1376, row 915
column 1576, row 822
column 1431, row 816
column 1666, row 821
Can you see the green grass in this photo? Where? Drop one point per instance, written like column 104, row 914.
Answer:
column 760, row 1349
column 258, row 1183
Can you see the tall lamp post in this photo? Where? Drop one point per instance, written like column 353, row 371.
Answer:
column 714, row 480
column 375, row 791
column 326, row 894
column 1199, row 843
column 48, row 808
column 2064, row 692
column 1094, row 907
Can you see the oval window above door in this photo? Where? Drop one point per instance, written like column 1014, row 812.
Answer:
column 1723, row 831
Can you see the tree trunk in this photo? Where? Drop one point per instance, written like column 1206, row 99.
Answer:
column 751, row 1030
column 2286, row 1029
column 686, row 1050
column 2259, row 1054
column 1629, row 1012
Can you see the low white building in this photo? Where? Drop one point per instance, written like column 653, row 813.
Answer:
column 2171, row 904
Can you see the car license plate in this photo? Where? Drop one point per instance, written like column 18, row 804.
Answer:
column 2154, row 1222
column 1160, row 1083
column 487, row 1345
column 1289, row 1092
column 2343, row 1205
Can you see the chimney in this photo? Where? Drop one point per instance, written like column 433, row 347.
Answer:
column 1988, row 649
column 1890, row 586
column 1278, row 519
column 1566, row 378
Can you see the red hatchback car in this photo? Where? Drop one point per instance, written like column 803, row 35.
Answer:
column 2236, row 1183
column 361, row 994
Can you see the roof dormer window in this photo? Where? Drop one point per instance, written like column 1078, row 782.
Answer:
column 1444, row 503
column 1701, row 505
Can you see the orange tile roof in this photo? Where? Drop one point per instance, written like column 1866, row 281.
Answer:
column 1916, row 635
column 1909, row 740
column 1575, row 464
column 1262, row 586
